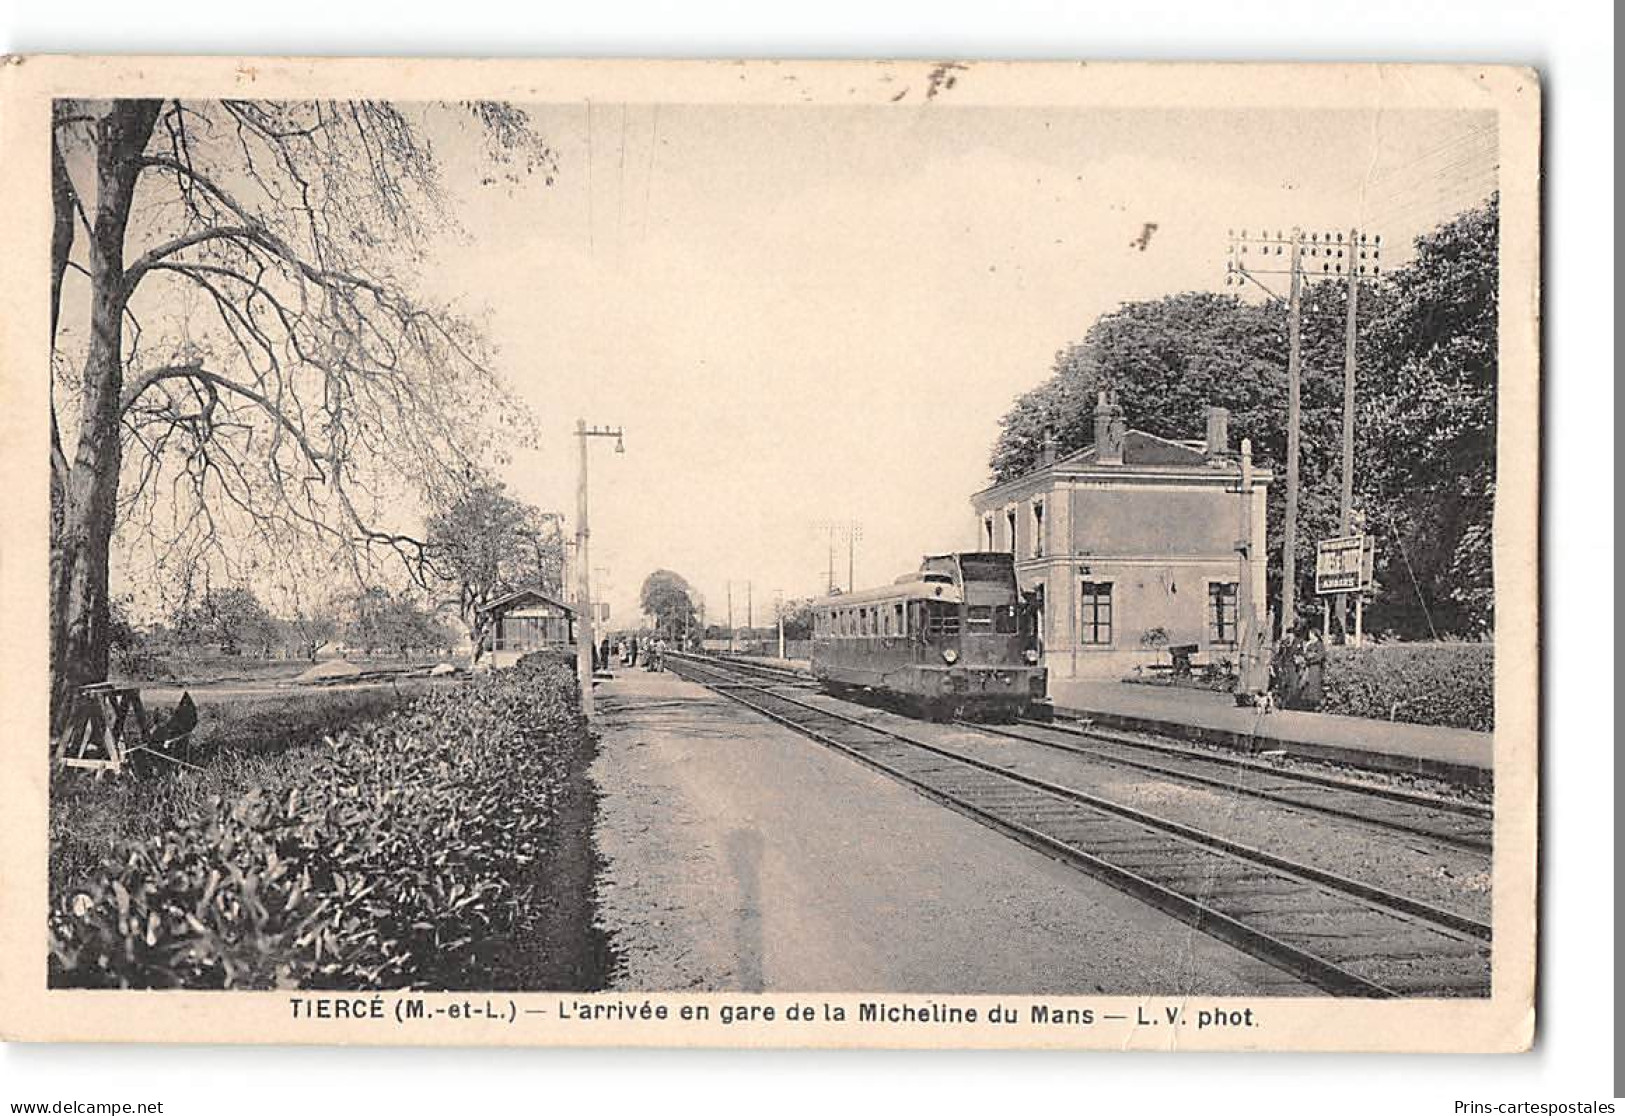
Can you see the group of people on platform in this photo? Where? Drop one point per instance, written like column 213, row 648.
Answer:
column 1298, row 672
column 627, row 651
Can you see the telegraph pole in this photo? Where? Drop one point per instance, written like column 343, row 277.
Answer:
column 1249, row 257
column 778, row 608
column 750, row 607
column 730, row 616
column 854, row 532
column 1294, row 374
column 584, row 617
column 1252, row 673
column 1366, row 262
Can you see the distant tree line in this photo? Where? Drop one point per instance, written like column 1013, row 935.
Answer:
column 1426, row 423
column 234, row 622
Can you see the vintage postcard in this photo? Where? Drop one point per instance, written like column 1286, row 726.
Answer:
column 899, row 554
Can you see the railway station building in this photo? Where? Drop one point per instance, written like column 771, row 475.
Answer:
column 1135, row 545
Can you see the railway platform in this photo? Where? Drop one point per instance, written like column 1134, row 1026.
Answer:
column 1459, row 755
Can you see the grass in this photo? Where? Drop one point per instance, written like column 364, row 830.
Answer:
column 239, row 743
column 183, row 670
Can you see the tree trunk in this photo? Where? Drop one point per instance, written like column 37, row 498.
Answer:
column 79, row 600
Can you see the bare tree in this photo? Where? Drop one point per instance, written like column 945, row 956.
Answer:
column 253, row 361
column 487, row 543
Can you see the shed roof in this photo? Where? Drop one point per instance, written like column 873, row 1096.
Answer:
column 523, row 596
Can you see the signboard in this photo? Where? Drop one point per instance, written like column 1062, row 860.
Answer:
column 1344, row 565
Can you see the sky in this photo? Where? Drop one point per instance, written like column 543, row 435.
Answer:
column 803, row 315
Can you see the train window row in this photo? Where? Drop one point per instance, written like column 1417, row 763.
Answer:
column 869, row 620
column 937, row 618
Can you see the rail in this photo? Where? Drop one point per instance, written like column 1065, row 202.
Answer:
column 1344, row 936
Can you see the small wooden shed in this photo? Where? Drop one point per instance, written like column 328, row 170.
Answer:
column 523, row 621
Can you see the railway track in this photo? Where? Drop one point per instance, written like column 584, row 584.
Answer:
column 1344, row 936
column 1466, row 825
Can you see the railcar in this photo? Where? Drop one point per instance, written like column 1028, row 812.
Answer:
column 954, row 638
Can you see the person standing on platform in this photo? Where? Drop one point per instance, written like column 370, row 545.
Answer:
column 1312, row 681
column 603, row 654
column 632, row 652
column 1287, row 667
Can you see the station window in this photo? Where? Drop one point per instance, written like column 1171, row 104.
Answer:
column 898, row 625
column 1038, row 528
column 987, row 532
column 1095, row 612
column 1010, row 520
column 1221, row 613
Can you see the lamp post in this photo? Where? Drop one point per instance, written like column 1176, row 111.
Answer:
column 584, row 617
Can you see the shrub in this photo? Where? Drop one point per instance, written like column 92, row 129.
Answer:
column 390, row 861
column 1450, row 684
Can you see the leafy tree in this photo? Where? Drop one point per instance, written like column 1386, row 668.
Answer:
column 1428, row 430
column 667, row 597
column 306, row 631
column 232, row 620
column 238, row 359
column 370, row 617
column 381, row 620
column 487, row 544
column 797, row 614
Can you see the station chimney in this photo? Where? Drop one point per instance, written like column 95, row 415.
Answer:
column 1218, row 432
column 1046, row 452
column 1110, row 430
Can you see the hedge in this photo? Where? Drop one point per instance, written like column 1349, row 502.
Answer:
column 1450, row 684
column 390, row 861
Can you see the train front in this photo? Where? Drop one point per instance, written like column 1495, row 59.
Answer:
column 991, row 664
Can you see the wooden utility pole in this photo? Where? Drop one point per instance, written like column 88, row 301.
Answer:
column 584, row 617
column 730, row 615
column 1334, row 258
column 854, row 532
column 1294, row 377
column 1252, row 674
column 1345, row 507
column 1363, row 257
column 584, row 634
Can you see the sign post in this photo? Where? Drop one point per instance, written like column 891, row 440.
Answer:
column 1345, row 565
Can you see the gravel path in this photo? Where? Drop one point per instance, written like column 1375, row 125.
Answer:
column 738, row 855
